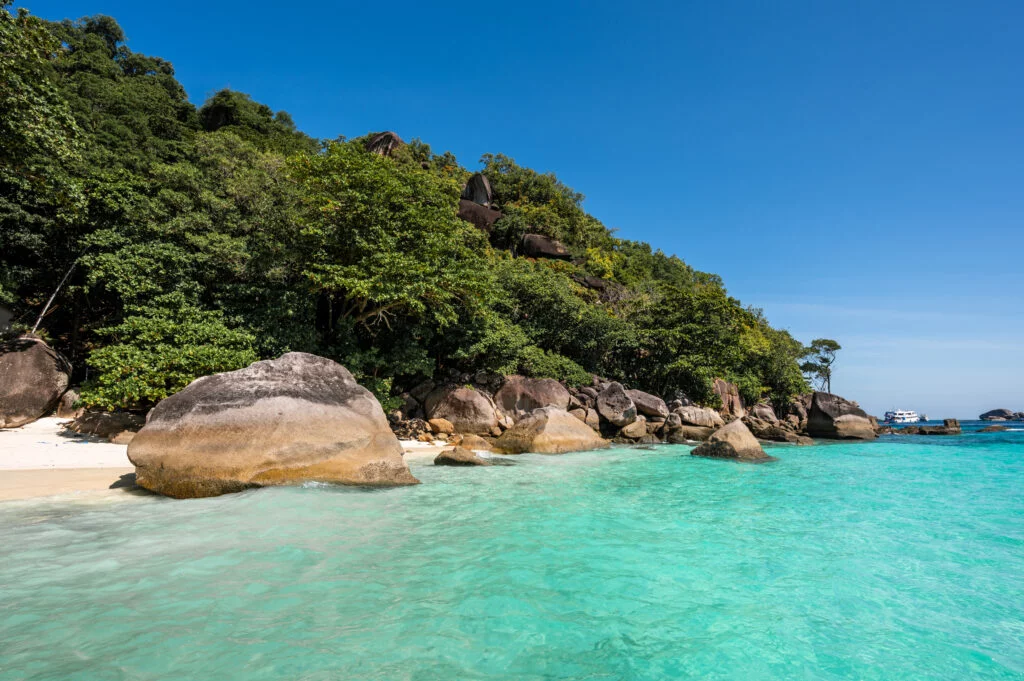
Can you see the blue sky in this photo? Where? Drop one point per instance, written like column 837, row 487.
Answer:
column 854, row 169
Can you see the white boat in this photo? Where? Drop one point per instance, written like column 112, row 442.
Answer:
column 901, row 416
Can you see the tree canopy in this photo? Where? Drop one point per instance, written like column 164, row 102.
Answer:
column 200, row 239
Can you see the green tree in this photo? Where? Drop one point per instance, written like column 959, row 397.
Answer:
column 818, row 358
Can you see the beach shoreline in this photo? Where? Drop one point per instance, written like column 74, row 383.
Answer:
column 42, row 459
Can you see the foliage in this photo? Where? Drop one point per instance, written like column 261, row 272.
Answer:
column 818, row 358
column 159, row 349
column 202, row 239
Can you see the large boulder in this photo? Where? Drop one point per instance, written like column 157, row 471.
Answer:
column 383, row 143
column 482, row 217
column 469, row 410
column 66, row 408
column 460, row 456
column 293, row 419
column 997, row 415
column 775, row 431
column 733, row 441
column 615, row 406
column 549, row 431
column 692, row 415
column 648, row 404
column 540, row 246
column 478, row 190
column 678, row 432
column 33, row 376
column 835, row 418
column 635, row 430
column 732, row 404
column 519, row 395
column 764, row 412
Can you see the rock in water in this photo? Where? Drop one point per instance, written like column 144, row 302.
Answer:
column 834, row 418
column 460, row 456
column 540, row 246
column 615, row 406
column 470, row 411
column 478, row 190
column 383, row 143
column 648, row 404
column 549, row 431
column 519, row 395
column 997, row 415
column 293, row 419
column 33, row 376
column 733, row 441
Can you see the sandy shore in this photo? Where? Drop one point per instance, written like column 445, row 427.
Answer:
column 42, row 459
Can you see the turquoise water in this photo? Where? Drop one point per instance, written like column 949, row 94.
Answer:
column 900, row 559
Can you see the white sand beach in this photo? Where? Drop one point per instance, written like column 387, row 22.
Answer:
column 42, row 459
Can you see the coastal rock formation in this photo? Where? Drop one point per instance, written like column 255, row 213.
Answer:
column 648, row 404
column 519, row 395
column 475, row 442
column 549, row 431
column 998, row 415
column 460, row 456
column 615, row 406
column 540, row 246
column 33, row 376
column 834, row 418
column 775, row 431
column 733, row 441
column 764, row 412
column 443, row 426
column 66, row 408
column 112, row 425
column 470, row 411
column 732, row 404
column 383, row 143
column 693, row 415
column 478, row 190
column 635, row 430
column 993, row 429
column 296, row 418
column 481, row 217
column 948, row 427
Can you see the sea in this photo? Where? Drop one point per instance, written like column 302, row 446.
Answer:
column 901, row 558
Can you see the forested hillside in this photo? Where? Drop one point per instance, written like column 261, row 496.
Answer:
column 201, row 239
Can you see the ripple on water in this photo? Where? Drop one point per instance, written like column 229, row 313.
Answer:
column 889, row 560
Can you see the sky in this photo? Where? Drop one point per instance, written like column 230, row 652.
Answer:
column 855, row 169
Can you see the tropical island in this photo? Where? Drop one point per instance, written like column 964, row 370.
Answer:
column 146, row 243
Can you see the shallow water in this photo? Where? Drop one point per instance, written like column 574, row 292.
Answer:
column 900, row 559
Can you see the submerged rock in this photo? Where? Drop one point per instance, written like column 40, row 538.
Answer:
column 831, row 417
column 549, row 431
column 519, row 395
column 293, row 419
column 733, row 441
column 993, row 429
column 33, row 376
